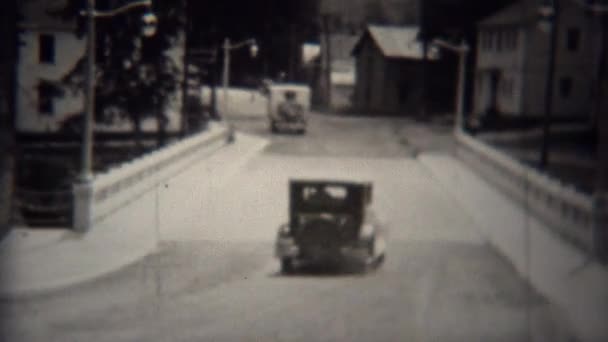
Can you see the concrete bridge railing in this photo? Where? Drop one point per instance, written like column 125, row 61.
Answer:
column 114, row 189
column 572, row 214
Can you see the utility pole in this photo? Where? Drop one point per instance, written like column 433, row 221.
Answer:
column 213, row 72
column 600, row 195
column 425, row 60
column 549, row 86
column 326, row 60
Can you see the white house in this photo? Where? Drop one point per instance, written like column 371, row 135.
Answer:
column 513, row 60
column 49, row 50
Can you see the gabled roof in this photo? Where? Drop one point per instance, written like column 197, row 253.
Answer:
column 518, row 13
column 393, row 41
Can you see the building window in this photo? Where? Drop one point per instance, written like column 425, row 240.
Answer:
column 45, row 99
column 507, row 87
column 487, row 40
column 503, row 87
column 573, row 38
column 46, row 48
column 565, row 87
column 511, row 40
column 499, row 37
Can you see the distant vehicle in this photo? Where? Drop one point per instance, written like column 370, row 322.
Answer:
column 288, row 106
column 330, row 222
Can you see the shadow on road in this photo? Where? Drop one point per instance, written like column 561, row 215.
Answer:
column 348, row 269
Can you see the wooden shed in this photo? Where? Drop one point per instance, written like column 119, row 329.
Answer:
column 389, row 69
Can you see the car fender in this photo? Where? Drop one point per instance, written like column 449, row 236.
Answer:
column 379, row 245
column 285, row 246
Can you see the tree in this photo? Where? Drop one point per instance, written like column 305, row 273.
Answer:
column 135, row 75
column 278, row 26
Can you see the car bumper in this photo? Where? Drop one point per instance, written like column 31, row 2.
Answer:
column 285, row 125
column 287, row 248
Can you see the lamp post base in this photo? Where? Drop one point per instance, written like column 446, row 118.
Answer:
column 231, row 138
column 83, row 205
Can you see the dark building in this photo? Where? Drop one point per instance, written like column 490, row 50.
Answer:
column 389, row 72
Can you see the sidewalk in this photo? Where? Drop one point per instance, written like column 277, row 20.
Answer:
column 36, row 261
column 576, row 285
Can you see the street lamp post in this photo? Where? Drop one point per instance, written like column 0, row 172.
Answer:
column 83, row 189
column 462, row 50
column 226, row 74
column 89, row 114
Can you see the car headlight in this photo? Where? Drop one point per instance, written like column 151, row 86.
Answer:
column 367, row 230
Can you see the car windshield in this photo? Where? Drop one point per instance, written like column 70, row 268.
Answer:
column 326, row 198
column 324, row 195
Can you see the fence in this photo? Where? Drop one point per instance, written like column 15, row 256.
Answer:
column 44, row 208
column 570, row 213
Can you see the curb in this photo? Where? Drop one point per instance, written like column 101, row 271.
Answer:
column 74, row 282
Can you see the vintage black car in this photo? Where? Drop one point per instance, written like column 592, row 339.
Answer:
column 330, row 222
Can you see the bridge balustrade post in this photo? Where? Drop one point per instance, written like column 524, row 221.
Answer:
column 83, row 206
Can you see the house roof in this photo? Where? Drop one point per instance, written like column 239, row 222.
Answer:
column 520, row 12
column 393, row 41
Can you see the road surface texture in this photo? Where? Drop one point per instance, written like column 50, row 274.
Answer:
column 214, row 277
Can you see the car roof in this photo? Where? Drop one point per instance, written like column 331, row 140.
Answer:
column 290, row 86
column 334, row 182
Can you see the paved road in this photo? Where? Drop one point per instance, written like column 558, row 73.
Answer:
column 214, row 278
